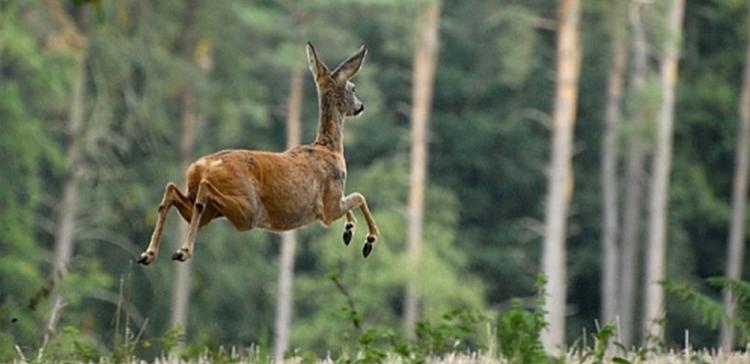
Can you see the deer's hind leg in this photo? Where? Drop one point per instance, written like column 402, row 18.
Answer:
column 172, row 197
column 209, row 203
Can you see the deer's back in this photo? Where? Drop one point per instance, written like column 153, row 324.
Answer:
column 285, row 190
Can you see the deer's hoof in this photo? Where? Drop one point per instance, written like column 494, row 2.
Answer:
column 348, row 232
column 146, row 258
column 369, row 244
column 367, row 249
column 181, row 254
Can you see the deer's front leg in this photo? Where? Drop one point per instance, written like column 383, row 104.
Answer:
column 347, row 203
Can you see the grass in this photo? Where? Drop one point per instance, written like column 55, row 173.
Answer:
column 460, row 336
column 251, row 356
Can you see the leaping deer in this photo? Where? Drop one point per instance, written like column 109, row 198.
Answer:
column 277, row 191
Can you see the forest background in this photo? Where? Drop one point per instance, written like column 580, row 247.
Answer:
column 104, row 102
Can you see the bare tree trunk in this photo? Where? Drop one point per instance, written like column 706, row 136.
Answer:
column 560, row 178
column 612, row 116
column 658, row 208
column 736, row 245
column 633, row 185
column 66, row 221
column 288, row 238
column 423, row 76
column 181, row 285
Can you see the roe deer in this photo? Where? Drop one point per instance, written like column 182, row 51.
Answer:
column 277, row 191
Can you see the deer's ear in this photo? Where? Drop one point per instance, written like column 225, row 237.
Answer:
column 317, row 67
column 349, row 68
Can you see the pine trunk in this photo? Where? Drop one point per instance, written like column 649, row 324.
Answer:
column 181, row 285
column 288, row 238
column 736, row 245
column 631, row 224
column 560, row 177
column 425, row 60
column 66, row 220
column 658, row 207
column 612, row 116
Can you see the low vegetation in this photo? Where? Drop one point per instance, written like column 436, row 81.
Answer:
column 460, row 336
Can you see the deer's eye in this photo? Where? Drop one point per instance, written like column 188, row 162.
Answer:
column 354, row 88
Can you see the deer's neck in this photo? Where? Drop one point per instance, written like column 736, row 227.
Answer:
column 330, row 128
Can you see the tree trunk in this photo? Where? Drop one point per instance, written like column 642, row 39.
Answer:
column 288, row 238
column 66, row 221
column 423, row 76
column 658, row 208
column 612, row 116
column 560, row 177
column 181, row 286
column 633, row 184
column 736, row 245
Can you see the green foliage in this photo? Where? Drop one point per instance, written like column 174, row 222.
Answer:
column 70, row 345
column 454, row 333
column 709, row 309
column 602, row 342
column 519, row 330
column 488, row 149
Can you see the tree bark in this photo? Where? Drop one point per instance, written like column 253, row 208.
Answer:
column 736, row 244
column 288, row 238
column 181, row 285
column 560, row 178
column 66, row 220
column 609, row 175
column 423, row 76
column 631, row 223
column 658, row 208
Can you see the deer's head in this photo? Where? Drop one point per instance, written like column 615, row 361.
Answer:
column 336, row 89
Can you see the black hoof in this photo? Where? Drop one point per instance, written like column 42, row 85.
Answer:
column 347, row 237
column 146, row 258
column 180, row 255
column 367, row 249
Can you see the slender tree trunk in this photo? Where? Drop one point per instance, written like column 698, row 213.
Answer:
column 181, row 286
column 736, row 245
column 66, row 220
column 612, row 116
column 288, row 238
column 560, row 178
column 423, row 76
column 658, row 208
column 633, row 184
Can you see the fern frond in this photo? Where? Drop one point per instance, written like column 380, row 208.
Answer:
column 740, row 289
column 710, row 310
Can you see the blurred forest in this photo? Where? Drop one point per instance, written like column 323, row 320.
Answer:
column 104, row 102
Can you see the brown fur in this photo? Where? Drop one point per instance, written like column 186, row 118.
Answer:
column 276, row 191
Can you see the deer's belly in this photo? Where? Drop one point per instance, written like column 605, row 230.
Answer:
column 287, row 216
